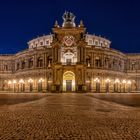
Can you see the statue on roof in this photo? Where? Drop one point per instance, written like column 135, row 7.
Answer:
column 68, row 19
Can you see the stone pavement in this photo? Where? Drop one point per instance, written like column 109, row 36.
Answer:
column 69, row 117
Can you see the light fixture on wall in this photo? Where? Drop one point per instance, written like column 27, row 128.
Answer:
column 30, row 80
column 21, row 81
column 117, row 81
column 107, row 80
column 129, row 82
column 9, row 82
column 97, row 80
column 41, row 80
column 124, row 81
column 14, row 81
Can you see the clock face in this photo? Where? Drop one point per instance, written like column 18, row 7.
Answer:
column 68, row 40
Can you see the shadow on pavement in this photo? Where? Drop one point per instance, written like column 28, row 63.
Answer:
column 128, row 99
column 16, row 98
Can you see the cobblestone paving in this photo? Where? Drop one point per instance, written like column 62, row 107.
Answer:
column 69, row 117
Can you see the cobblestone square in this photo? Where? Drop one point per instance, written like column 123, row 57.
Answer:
column 68, row 117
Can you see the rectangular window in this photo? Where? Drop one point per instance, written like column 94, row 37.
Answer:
column 68, row 61
column 47, row 42
column 41, row 43
column 90, row 42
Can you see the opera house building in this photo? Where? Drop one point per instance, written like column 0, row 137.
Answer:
column 70, row 60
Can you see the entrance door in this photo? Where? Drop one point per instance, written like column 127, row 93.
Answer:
column 68, row 81
column 31, row 87
column 68, row 85
column 40, row 86
column 98, row 87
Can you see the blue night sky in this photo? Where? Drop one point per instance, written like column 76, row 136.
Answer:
column 117, row 20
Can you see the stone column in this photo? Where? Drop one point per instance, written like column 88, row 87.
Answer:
column 78, row 54
column 44, row 56
column 59, row 54
column 81, row 54
column 35, row 60
column 92, row 59
column 53, row 55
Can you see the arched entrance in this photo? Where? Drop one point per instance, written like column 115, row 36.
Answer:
column 68, row 81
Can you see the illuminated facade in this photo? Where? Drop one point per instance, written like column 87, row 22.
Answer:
column 69, row 60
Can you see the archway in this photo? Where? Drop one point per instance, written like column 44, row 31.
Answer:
column 68, row 81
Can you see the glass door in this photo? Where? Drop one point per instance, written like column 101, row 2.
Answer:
column 68, row 85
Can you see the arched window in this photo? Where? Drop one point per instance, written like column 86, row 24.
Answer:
column 106, row 62
column 115, row 63
column 40, row 84
column 98, row 62
column 30, row 81
column 97, row 84
column 96, row 43
column 116, row 85
column 49, row 61
column 97, row 87
column 31, row 87
column 17, row 66
column 47, row 42
column 6, row 67
column 39, row 62
column 107, row 81
column 88, row 61
column 23, row 65
column 90, row 42
column 30, row 61
column 41, row 43
column 133, row 66
column 22, row 85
